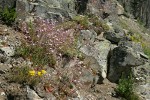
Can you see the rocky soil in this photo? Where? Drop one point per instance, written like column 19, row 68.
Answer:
column 109, row 44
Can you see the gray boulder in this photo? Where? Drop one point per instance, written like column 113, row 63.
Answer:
column 123, row 58
column 115, row 35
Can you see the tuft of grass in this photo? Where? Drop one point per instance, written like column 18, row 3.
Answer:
column 8, row 15
column 146, row 49
column 125, row 88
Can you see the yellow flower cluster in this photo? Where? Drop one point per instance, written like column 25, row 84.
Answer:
column 32, row 72
column 39, row 73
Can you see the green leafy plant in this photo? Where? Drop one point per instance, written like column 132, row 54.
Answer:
column 8, row 15
column 125, row 88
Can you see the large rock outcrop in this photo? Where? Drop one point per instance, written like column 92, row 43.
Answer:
column 54, row 9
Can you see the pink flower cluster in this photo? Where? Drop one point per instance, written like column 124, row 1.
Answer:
column 45, row 33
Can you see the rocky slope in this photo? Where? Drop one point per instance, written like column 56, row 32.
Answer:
column 108, row 45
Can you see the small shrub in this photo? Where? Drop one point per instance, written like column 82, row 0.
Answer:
column 125, row 88
column 8, row 15
column 26, row 75
column 21, row 75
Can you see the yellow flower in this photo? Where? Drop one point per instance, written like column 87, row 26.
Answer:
column 32, row 72
column 43, row 71
column 39, row 73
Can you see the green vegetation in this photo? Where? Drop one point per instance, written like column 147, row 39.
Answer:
column 91, row 22
column 146, row 49
column 82, row 20
column 38, row 55
column 70, row 52
column 125, row 88
column 8, row 15
column 136, row 37
column 98, row 23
